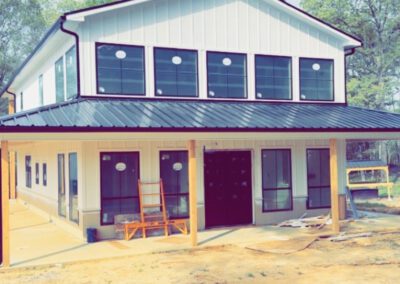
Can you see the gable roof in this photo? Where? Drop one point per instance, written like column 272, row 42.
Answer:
column 87, row 114
column 79, row 15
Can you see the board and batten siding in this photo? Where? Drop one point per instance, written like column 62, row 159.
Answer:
column 30, row 85
column 245, row 26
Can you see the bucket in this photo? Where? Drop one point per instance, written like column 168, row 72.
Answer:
column 91, row 235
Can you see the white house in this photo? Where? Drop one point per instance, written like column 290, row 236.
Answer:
column 117, row 92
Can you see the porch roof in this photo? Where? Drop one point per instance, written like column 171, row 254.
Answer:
column 130, row 115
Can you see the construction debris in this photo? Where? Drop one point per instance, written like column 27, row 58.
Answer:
column 302, row 222
column 345, row 237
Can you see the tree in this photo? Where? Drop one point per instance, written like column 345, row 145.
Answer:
column 22, row 24
column 373, row 71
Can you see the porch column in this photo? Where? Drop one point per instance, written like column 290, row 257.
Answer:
column 13, row 195
column 334, row 185
column 193, row 191
column 5, row 204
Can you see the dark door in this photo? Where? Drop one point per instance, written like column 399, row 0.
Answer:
column 61, row 185
column 228, row 197
column 119, row 185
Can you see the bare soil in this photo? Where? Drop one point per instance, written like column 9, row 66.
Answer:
column 380, row 205
column 363, row 260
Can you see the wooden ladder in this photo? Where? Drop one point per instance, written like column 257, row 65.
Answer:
column 155, row 220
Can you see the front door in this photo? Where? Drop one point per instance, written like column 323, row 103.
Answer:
column 227, row 180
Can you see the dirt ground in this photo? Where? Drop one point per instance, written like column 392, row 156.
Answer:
column 373, row 259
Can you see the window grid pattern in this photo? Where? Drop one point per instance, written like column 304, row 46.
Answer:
column 273, row 77
column 120, row 69
column 277, row 180
column 175, row 72
column 316, row 79
column 226, row 75
column 318, row 178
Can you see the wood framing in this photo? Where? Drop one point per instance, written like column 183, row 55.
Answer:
column 5, row 204
column 13, row 193
column 334, row 185
column 192, row 191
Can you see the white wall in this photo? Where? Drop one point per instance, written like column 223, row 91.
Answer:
column 248, row 26
column 30, row 85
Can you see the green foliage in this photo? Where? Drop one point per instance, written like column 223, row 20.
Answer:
column 373, row 71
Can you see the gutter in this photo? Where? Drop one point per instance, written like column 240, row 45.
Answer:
column 76, row 36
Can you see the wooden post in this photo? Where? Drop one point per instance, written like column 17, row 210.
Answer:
column 5, row 204
column 193, row 192
column 334, row 185
column 13, row 193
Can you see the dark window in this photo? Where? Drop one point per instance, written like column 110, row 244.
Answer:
column 44, row 174
column 316, row 79
column 277, row 180
column 71, row 73
column 227, row 75
column 174, row 173
column 175, row 72
column 318, row 178
column 119, row 185
column 120, row 69
column 59, row 70
column 21, row 101
column 28, row 171
column 41, row 100
column 273, row 77
column 73, row 187
column 37, row 173
column 61, row 185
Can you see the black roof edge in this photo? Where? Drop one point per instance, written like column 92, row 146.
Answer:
column 52, row 29
column 322, row 21
column 96, row 7
column 88, row 129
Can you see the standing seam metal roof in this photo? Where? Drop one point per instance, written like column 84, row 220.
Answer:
column 134, row 114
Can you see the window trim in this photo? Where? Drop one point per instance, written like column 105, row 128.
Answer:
column 97, row 43
column 197, row 72
column 307, row 201
column 276, row 189
column 291, row 76
column 246, row 97
column 174, row 194
column 111, row 198
column 333, row 79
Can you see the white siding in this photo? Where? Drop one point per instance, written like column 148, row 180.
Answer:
column 30, row 86
column 248, row 26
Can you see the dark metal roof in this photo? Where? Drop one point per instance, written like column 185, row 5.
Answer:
column 365, row 164
column 118, row 114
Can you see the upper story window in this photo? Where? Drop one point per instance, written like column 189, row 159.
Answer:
column 21, row 101
column 316, row 79
column 71, row 73
column 175, row 72
column 120, row 69
column 227, row 75
column 40, row 83
column 273, row 77
column 59, row 66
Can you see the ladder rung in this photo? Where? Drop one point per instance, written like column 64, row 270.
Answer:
column 151, row 194
column 153, row 216
column 149, row 183
column 151, row 205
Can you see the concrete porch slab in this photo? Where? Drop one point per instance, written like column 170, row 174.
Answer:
column 37, row 241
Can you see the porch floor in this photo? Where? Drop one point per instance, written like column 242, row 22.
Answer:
column 37, row 241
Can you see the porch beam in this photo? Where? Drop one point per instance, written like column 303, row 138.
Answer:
column 334, row 185
column 5, row 190
column 193, row 191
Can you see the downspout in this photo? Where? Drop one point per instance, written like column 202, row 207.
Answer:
column 347, row 52
column 15, row 100
column 76, row 36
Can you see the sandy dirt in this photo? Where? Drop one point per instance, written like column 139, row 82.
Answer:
column 374, row 259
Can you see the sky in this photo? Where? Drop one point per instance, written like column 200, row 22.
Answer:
column 295, row 2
